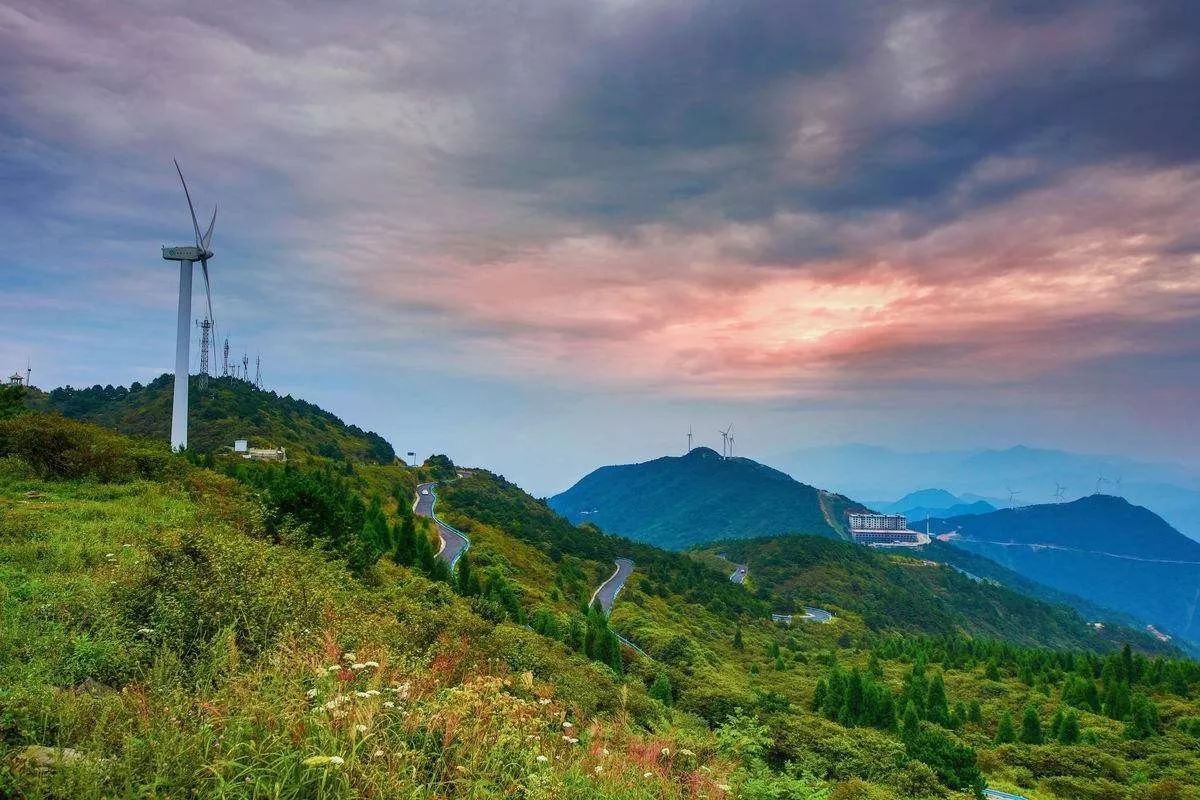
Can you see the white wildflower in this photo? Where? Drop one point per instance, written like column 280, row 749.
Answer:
column 567, row 725
column 349, row 657
column 598, row 769
column 310, row 694
column 334, row 668
column 545, row 701
column 542, row 759
column 683, row 751
column 337, row 761
column 358, row 666
column 360, row 728
column 647, row 774
column 666, row 751
column 361, row 694
column 377, row 753
column 388, row 704
column 145, row 631
column 372, row 664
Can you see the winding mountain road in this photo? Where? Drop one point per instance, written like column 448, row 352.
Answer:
column 608, row 591
column 454, row 544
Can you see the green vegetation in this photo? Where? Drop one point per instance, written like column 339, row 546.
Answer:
column 899, row 592
column 224, row 410
column 678, row 502
column 1102, row 549
column 194, row 626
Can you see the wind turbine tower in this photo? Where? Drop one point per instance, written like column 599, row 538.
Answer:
column 187, row 256
column 689, row 438
column 725, row 442
column 28, row 373
column 731, row 444
column 1058, row 491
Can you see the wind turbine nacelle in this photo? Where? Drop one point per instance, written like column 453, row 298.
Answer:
column 185, row 254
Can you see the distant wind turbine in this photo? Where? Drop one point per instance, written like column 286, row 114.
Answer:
column 187, row 256
column 731, row 445
column 725, row 441
column 689, row 438
column 1100, row 481
column 1058, row 491
column 1012, row 496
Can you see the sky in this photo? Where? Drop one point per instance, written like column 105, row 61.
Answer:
column 541, row 236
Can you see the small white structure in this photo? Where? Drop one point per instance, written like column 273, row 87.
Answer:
column 241, row 446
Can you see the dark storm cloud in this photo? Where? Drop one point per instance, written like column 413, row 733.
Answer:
column 680, row 112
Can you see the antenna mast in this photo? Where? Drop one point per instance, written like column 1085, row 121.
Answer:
column 258, row 371
column 689, row 438
column 205, row 326
column 245, row 367
column 225, row 360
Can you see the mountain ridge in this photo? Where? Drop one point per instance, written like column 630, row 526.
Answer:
column 679, row 501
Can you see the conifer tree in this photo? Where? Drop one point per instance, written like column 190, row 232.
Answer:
column 1031, row 726
column 1005, row 733
column 738, row 644
column 1069, row 732
column 936, row 705
column 660, row 690
column 911, row 725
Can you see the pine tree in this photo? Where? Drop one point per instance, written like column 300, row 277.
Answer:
column 1069, row 732
column 911, row 726
column 818, row 701
column 992, row 673
column 1031, row 726
column 1143, row 718
column 936, row 705
column 738, row 644
column 975, row 713
column 1056, row 724
column 465, row 575
column 660, row 690
column 1005, row 734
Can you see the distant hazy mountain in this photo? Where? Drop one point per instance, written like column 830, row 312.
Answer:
column 926, row 503
column 1032, row 473
column 679, row 501
column 1100, row 548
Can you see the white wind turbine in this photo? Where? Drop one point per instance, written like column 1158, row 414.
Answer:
column 187, row 256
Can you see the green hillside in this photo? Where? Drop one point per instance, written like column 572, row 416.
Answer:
column 906, row 593
column 678, row 502
column 1100, row 548
column 225, row 410
column 255, row 630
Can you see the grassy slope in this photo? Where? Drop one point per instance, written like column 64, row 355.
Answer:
column 894, row 591
column 226, row 410
column 150, row 628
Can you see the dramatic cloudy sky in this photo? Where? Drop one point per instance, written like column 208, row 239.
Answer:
column 545, row 235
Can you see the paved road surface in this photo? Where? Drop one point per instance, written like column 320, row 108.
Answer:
column 454, row 544
column 609, row 590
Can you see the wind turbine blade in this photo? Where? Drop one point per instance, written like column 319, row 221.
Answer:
column 208, row 234
column 207, row 288
column 191, row 208
column 208, row 295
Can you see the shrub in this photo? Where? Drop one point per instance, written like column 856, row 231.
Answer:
column 59, row 448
